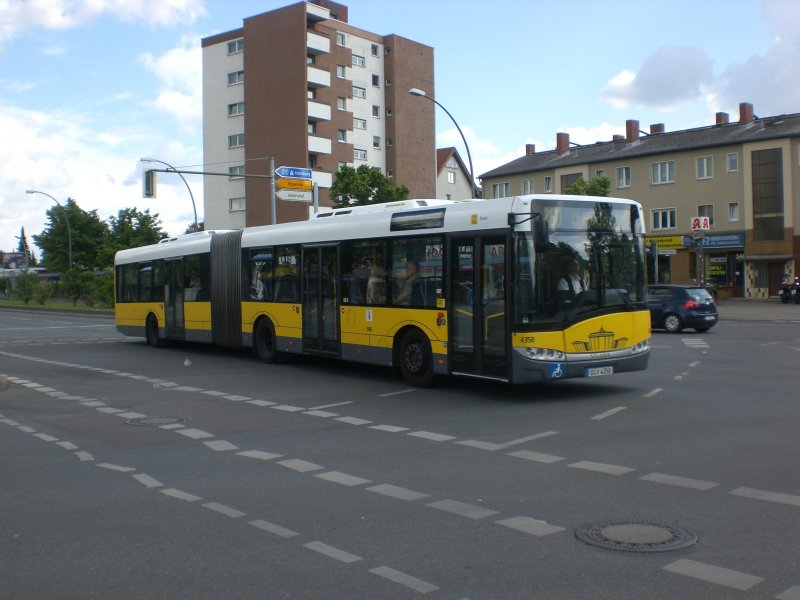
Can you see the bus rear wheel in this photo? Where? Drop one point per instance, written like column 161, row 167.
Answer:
column 264, row 342
column 416, row 359
column 151, row 331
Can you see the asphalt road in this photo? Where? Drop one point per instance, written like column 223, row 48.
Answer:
column 194, row 472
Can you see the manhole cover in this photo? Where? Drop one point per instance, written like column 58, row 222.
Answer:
column 636, row 536
column 155, row 421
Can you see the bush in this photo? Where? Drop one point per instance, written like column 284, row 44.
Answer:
column 25, row 286
column 42, row 292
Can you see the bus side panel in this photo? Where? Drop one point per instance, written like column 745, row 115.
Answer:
column 287, row 319
column 197, row 321
column 130, row 317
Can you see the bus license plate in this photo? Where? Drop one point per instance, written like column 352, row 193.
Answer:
column 599, row 371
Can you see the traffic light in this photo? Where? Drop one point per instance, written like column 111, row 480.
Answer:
column 149, row 184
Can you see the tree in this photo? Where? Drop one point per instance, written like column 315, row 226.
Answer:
column 78, row 283
column 597, row 186
column 89, row 235
column 192, row 228
column 364, row 185
column 25, row 248
column 25, row 285
column 129, row 229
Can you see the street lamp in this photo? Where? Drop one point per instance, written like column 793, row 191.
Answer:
column 419, row 92
column 169, row 166
column 66, row 216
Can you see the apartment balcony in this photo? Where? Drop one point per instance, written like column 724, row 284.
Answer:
column 318, row 145
column 318, row 112
column 317, row 44
column 317, row 77
column 322, row 179
column 317, row 13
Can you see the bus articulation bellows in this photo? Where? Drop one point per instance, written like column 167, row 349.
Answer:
column 475, row 288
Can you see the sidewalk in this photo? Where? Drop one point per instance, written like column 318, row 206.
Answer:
column 738, row 309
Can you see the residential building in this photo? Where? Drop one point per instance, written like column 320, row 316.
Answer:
column 452, row 176
column 302, row 85
column 742, row 179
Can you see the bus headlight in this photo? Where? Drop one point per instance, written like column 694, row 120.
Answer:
column 545, row 354
column 640, row 347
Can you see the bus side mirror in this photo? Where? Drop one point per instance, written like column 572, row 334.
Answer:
column 541, row 235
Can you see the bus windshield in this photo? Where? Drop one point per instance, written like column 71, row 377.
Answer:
column 593, row 262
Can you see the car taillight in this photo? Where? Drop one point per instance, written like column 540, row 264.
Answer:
column 691, row 305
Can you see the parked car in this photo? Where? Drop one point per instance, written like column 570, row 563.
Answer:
column 673, row 307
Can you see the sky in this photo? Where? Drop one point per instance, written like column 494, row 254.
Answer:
column 88, row 87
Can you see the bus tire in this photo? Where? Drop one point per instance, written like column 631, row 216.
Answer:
column 151, row 331
column 264, row 342
column 416, row 359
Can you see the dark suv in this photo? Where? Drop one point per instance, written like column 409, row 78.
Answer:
column 673, row 307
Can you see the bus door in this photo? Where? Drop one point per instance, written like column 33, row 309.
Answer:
column 478, row 344
column 173, row 298
column 320, row 299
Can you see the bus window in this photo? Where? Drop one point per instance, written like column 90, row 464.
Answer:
column 196, row 278
column 417, row 268
column 259, row 268
column 287, row 276
column 364, row 272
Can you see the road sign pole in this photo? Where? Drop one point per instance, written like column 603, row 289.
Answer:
column 315, row 192
column 273, row 203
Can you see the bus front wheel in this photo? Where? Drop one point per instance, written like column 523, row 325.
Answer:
column 416, row 359
column 264, row 342
column 151, row 331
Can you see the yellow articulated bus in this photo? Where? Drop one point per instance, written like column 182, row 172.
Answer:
column 523, row 289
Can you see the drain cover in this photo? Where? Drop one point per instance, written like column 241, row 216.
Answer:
column 636, row 536
column 155, row 421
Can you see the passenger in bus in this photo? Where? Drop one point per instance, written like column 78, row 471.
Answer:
column 572, row 281
column 410, row 294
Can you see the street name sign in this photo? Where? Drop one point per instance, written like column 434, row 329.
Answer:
column 295, row 195
column 293, row 172
column 294, row 184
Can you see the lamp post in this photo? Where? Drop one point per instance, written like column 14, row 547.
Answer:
column 421, row 93
column 169, row 166
column 66, row 216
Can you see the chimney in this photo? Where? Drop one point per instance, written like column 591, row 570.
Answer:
column 722, row 118
column 562, row 143
column 618, row 138
column 530, row 149
column 656, row 128
column 631, row 131
column 745, row 113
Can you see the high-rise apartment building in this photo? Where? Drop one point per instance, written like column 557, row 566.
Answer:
column 302, row 85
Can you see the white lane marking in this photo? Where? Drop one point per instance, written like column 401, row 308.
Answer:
column 237, row 398
column 10, row 422
column 608, row 413
column 332, row 552
column 409, row 390
column 793, row 593
column 173, row 493
column 224, row 510
column 397, row 492
column 26, row 429
column 186, row 388
column 111, row 467
column 214, row 393
column 330, row 405
column 288, row 408
column 746, row 492
column 321, row 413
column 389, row 428
column 489, row 446
column 418, row 585
column 195, row 434
column 696, row 484
column 259, row 454
column 109, row 410
column 221, row 445
column 695, row 343
column 147, row 481
column 67, row 445
column 463, row 509
column 45, row 437
column 273, row 528
column 353, row 420
column 601, row 467
column 260, row 403
column 169, row 426
column 653, row 392
column 536, row 456
column 529, row 438
column 342, row 478
column 694, row 363
column 530, row 526
column 93, row 403
column 131, row 415
column 84, row 456
column 429, row 435
column 711, row 574
column 302, row 466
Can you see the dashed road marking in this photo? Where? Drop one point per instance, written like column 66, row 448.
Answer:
column 536, row 456
column 332, row 552
column 273, row 528
column 147, row 481
column 221, row 445
column 653, row 392
column 195, row 434
column 793, row 593
column 609, row 413
column 299, row 465
column 712, row 574
column 259, row 454
column 746, row 492
column 224, row 510
column 390, row 394
column 418, row 585
column 601, row 467
column 397, row 492
column 429, row 435
column 389, row 428
column 530, row 526
column 696, row 484
column 118, row 468
column 463, row 509
column 342, row 478
column 173, row 493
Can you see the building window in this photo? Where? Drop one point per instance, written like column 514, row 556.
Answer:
column 623, row 177
column 340, row 164
column 705, row 167
column 733, row 162
column 236, row 140
column 569, row 180
column 376, row 111
column 376, row 141
column 388, row 112
column 312, row 161
column 376, row 81
column 236, row 46
column 706, row 210
column 235, row 77
column 376, row 50
column 341, row 71
column 387, row 82
column 236, row 172
column 311, row 59
column 527, row 186
column 339, row 38
column 359, row 92
column 359, row 61
column 359, row 154
column 312, row 127
column 664, row 218
column 236, row 204
column 548, row 185
column 600, row 173
column 311, row 93
column 451, row 177
column 389, row 142
column 733, row 211
column 359, row 123
column 500, row 190
column 662, row 172
column 341, row 135
column 768, row 202
column 341, row 103
column 235, row 109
